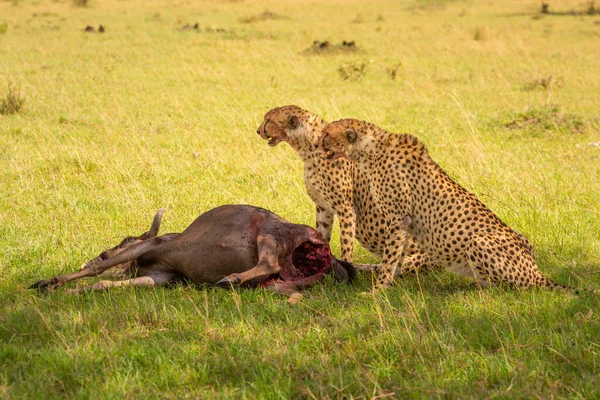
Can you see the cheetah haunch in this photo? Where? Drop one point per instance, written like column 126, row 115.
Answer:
column 416, row 196
column 335, row 187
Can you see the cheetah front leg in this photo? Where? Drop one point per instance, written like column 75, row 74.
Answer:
column 325, row 218
column 393, row 254
column 347, row 220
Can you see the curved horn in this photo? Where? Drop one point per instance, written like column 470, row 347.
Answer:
column 155, row 225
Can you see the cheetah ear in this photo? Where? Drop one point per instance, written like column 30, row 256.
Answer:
column 293, row 121
column 351, row 136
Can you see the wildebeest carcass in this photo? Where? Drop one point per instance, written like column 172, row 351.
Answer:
column 231, row 245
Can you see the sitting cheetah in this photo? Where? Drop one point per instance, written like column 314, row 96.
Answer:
column 335, row 188
column 416, row 196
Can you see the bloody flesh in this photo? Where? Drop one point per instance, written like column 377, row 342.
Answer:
column 308, row 260
column 311, row 259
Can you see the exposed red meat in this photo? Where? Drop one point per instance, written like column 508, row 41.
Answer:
column 311, row 259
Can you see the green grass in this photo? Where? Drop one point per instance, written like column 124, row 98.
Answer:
column 118, row 124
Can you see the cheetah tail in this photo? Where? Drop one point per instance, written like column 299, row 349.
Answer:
column 548, row 283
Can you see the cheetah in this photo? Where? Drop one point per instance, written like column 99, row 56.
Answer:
column 417, row 197
column 335, row 187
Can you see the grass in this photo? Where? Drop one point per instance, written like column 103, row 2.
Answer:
column 12, row 102
column 147, row 116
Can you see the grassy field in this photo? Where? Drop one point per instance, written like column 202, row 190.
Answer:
column 146, row 115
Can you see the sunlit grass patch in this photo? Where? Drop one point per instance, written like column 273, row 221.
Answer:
column 147, row 115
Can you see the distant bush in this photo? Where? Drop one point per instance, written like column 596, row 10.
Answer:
column 393, row 70
column 546, row 118
column 547, row 82
column 352, row 71
column 481, row 33
column 12, row 102
column 265, row 16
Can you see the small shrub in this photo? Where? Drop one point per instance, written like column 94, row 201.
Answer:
column 265, row 16
column 546, row 82
column 481, row 34
column 546, row 118
column 12, row 102
column 3, row 27
column 352, row 71
column 393, row 71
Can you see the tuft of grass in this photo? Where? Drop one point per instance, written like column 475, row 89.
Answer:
column 352, row 71
column 264, row 16
column 481, row 33
column 545, row 82
column 547, row 118
column 80, row 3
column 3, row 27
column 12, row 101
column 393, row 70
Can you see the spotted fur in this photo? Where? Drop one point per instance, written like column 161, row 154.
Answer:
column 335, row 187
column 417, row 197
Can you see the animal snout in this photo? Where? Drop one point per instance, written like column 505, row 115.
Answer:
column 262, row 129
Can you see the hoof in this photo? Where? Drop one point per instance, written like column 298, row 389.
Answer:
column 45, row 285
column 227, row 283
column 40, row 284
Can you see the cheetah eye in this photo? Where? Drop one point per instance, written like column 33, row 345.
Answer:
column 293, row 122
column 350, row 135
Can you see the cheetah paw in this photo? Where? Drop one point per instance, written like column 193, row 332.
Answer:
column 376, row 290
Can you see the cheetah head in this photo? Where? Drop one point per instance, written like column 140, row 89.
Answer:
column 341, row 139
column 289, row 124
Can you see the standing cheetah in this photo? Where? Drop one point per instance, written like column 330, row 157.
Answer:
column 335, row 187
column 416, row 196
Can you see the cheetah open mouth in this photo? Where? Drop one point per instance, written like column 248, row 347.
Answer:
column 330, row 156
column 273, row 141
